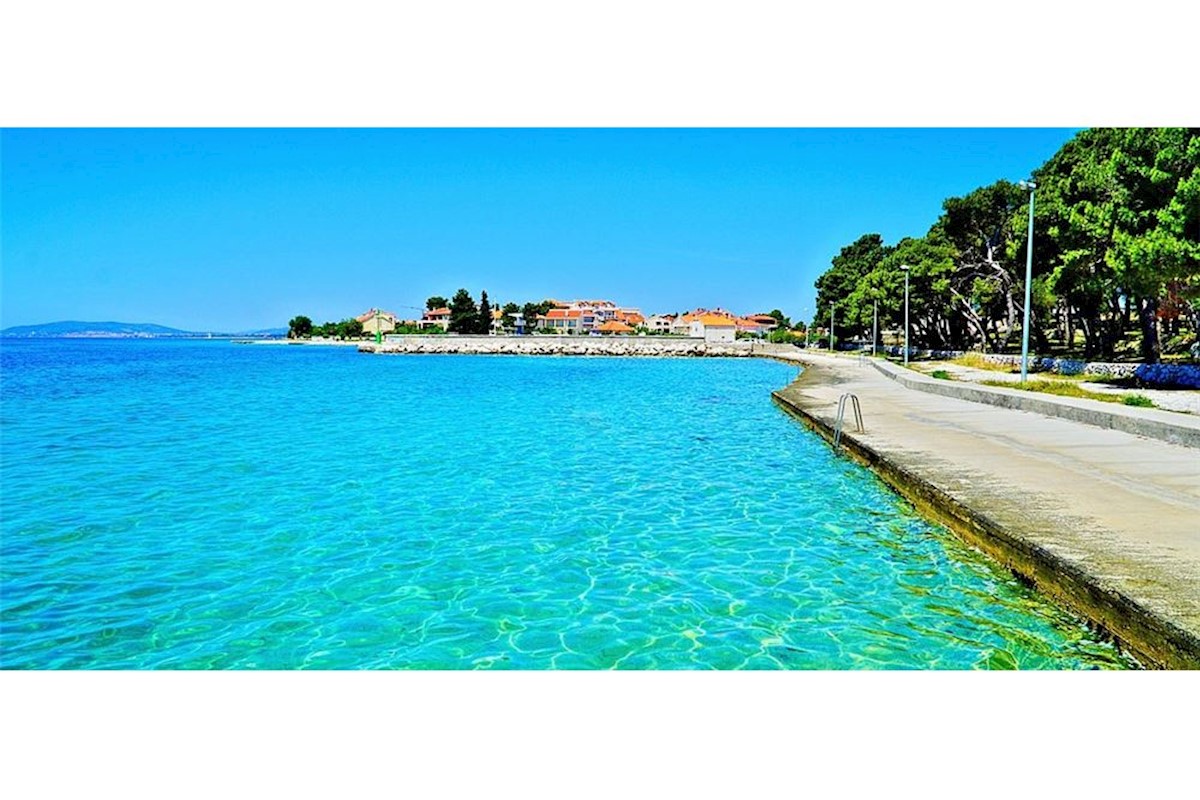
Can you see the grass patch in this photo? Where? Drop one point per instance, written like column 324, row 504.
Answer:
column 977, row 361
column 942, row 374
column 1071, row 389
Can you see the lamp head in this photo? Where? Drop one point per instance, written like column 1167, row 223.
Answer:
column 1030, row 185
column 905, row 267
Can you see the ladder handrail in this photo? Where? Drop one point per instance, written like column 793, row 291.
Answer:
column 841, row 413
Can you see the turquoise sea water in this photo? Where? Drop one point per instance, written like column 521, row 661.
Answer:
column 211, row 505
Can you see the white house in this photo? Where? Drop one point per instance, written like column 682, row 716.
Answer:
column 660, row 323
column 713, row 328
column 435, row 318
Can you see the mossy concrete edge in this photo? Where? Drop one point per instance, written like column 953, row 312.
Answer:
column 1155, row 641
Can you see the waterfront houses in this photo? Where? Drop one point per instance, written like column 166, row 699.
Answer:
column 589, row 318
column 586, row 316
column 718, row 319
column 435, row 318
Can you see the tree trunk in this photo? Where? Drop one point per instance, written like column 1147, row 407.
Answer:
column 1070, row 337
column 1041, row 342
column 1089, row 337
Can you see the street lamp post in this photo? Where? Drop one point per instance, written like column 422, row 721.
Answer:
column 906, row 268
column 831, row 329
column 1031, row 186
column 875, row 330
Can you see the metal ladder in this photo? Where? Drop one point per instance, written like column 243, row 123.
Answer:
column 841, row 413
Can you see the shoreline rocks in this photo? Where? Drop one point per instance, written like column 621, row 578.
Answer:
column 559, row 346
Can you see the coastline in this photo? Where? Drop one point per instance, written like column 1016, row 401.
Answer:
column 1123, row 557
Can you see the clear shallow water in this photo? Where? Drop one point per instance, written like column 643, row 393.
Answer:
column 210, row 505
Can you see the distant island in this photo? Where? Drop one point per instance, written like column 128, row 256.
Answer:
column 121, row 330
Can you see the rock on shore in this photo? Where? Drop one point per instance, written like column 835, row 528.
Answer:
column 556, row 346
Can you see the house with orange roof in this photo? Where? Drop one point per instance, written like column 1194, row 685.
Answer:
column 376, row 321
column 764, row 319
column 586, row 316
column 436, row 318
column 712, row 327
column 566, row 321
column 756, row 325
column 630, row 316
column 614, row 327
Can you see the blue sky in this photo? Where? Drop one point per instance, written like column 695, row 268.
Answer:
column 233, row 229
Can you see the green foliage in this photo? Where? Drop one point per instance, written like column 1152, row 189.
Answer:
column 1116, row 242
column 977, row 361
column 844, row 288
column 464, row 314
column 941, row 374
column 299, row 327
column 783, row 336
column 783, row 321
column 349, row 329
column 1121, row 212
column 412, row 330
column 346, row 329
column 1137, row 400
column 534, row 310
column 484, row 323
column 509, row 309
column 435, row 302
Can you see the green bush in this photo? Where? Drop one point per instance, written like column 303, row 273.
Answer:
column 942, row 374
column 1137, row 400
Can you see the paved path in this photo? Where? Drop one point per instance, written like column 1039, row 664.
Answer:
column 1121, row 510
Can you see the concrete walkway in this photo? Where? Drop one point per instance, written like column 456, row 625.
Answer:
column 1105, row 521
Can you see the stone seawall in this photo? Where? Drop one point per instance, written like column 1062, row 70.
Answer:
column 643, row 346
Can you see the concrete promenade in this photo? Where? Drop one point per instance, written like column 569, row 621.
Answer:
column 1151, row 423
column 1105, row 521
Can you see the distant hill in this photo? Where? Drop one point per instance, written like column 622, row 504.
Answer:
column 74, row 329
column 118, row 330
column 264, row 332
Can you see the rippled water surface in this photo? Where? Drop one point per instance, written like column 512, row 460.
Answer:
column 211, row 505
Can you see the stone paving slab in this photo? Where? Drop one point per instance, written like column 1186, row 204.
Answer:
column 1105, row 521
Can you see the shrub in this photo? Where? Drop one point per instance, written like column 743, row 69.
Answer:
column 1182, row 375
column 1137, row 400
column 979, row 361
column 941, row 373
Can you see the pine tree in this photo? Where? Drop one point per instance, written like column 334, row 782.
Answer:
column 464, row 316
column 484, row 325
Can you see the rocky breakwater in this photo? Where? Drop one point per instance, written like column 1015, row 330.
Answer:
column 643, row 346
